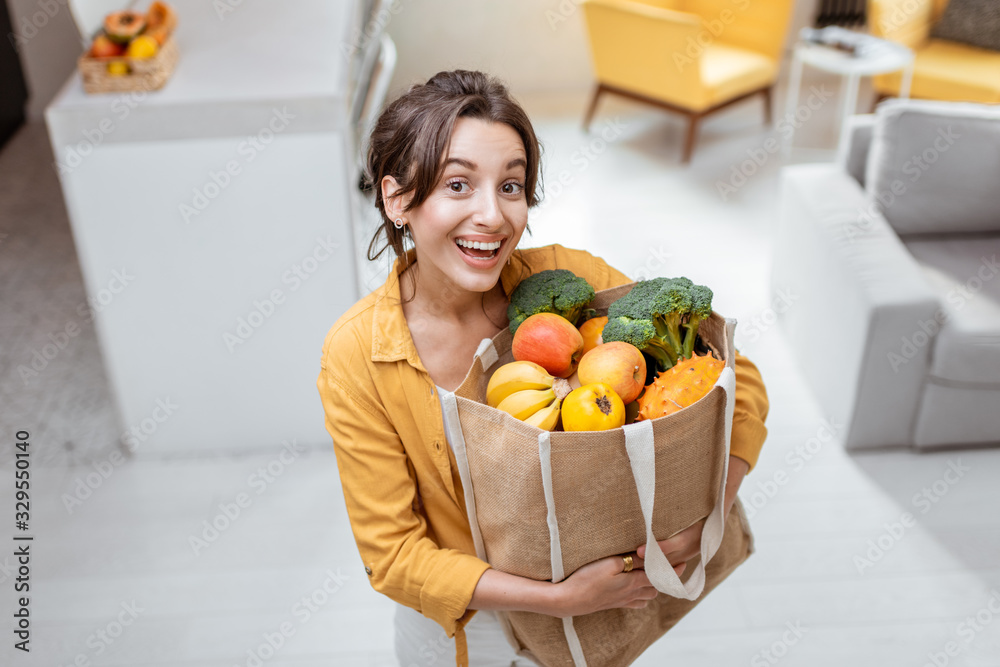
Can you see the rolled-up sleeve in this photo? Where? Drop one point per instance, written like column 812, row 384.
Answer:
column 380, row 491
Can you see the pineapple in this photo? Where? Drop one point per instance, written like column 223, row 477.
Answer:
column 680, row 386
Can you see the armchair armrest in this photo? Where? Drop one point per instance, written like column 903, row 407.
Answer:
column 858, row 295
column 633, row 46
column 905, row 21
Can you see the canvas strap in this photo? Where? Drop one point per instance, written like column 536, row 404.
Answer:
column 642, row 456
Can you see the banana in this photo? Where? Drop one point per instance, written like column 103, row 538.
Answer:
column 514, row 377
column 524, row 403
column 546, row 418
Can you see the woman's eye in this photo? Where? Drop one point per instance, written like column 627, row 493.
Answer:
column 511, row 188
column 457, row 186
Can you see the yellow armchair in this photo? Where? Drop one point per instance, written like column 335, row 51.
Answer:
column 942, row 69
column 689, row 56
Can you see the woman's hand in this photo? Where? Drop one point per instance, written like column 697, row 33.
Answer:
column 602, row 585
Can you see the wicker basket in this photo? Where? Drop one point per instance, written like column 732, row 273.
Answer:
column 144, row 73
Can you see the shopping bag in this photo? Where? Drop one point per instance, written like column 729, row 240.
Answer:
column 543, row 504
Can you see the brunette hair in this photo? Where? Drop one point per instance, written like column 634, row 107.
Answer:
column 412, row 134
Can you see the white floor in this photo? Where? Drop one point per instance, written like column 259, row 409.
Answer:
column 283, row 569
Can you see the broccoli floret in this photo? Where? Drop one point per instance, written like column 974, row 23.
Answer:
column 553, row 291
column 660, row 317
column 701, row 308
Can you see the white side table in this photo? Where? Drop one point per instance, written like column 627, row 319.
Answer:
column 883, row 57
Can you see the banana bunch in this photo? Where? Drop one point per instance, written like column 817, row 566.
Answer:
column 526, row 391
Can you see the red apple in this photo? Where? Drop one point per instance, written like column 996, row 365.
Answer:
column 105, row 48
column 551, row 341
column 618, row 365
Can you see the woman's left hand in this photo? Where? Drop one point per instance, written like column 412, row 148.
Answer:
column 685, row 545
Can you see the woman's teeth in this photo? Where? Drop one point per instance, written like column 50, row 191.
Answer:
column 476, row 245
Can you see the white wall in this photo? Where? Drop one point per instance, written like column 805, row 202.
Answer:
column 49, row 45
column 534, row 45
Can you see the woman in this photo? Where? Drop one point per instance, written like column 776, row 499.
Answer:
column 455, row 166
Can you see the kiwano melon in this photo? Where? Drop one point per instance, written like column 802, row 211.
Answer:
column 680, row 386
column 122, row 26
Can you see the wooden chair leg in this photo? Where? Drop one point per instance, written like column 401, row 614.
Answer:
column 693, row 119
column 767, row 104
column 593, row 107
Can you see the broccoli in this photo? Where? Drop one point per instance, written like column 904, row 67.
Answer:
column 553, row 291
column 660, row 317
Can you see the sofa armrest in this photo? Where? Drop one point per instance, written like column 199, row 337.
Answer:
column 855, row 140
column 858, row 294
column 905, row 21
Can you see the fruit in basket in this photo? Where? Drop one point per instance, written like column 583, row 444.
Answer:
column 593, row 407
column 142, row 47
column 538, row 407
column 679, row 387
column 103, row 47
column 122, row 26
column 160, row 22
column 549, row 340
column 517, row 376
column 552, row 291
column 118, row 68
column 618, row 365
column 591, row 332
column 660, row 317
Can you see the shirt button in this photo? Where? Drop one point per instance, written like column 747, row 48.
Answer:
column 437, row 445
column 368, row 571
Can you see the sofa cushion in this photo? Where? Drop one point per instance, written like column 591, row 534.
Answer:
column 730, row 71
column 974, row 22
column 965, row 273
column 945, row 70
column 933, row 167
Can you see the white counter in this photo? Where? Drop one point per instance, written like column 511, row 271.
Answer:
column 221, row 202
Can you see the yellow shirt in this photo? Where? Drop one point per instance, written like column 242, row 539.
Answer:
column 399, row 476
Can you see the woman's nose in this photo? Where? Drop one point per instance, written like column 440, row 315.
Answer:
column 488, row 213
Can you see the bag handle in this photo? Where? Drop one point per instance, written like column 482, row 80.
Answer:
column 642, row 457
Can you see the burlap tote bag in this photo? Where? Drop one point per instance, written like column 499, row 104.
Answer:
column 543, row 504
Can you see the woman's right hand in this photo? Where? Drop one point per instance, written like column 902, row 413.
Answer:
column 602, row 585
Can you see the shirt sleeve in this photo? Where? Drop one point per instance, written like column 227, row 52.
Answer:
column 752, row 404
column 380, row 491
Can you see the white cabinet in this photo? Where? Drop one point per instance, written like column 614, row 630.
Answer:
column 213, row 225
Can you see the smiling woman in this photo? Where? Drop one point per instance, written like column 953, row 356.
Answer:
column 454, row 166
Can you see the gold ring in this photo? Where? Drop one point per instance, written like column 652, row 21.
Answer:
column 627, row 561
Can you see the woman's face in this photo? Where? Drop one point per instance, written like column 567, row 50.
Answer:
column 470, row 224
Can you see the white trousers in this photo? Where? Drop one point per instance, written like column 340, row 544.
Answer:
column 420, row 642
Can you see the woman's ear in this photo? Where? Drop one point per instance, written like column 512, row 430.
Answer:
column 393, row 204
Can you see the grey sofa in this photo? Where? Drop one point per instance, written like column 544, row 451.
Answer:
column 892, row 253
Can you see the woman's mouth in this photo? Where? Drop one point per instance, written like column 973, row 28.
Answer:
column 479, row 250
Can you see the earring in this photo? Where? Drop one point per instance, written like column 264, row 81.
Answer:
column 398, row 224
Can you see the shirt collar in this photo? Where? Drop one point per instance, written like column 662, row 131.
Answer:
column 391, row 340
